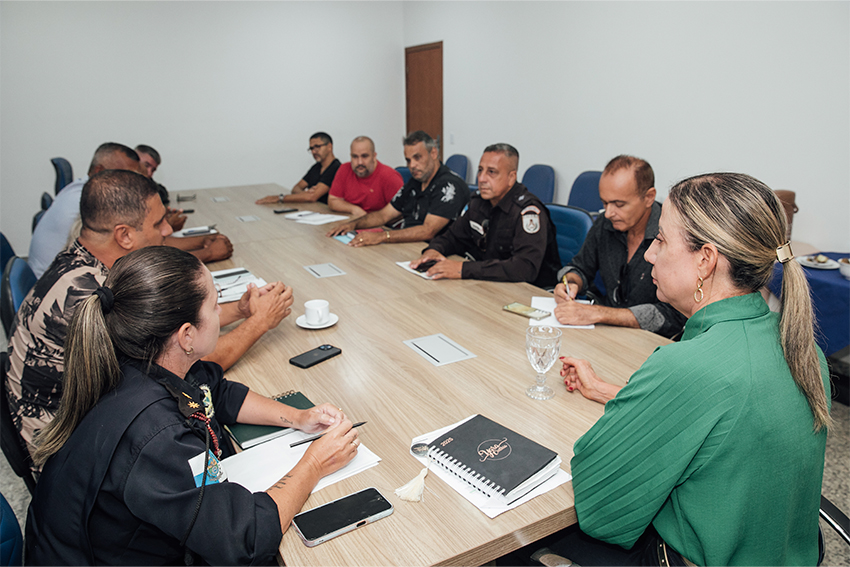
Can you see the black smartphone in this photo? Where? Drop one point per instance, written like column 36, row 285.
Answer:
column 281, row 211
column 315, row 356
column 425, row 266
column 187, row 211
column 340, row 516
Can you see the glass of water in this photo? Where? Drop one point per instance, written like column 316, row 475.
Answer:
column 542, row 345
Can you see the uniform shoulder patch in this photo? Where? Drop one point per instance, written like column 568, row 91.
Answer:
column 531, row 209
column 531, row 223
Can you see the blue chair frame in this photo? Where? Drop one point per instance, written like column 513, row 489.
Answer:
column 459, row 164
column 64, row 173
column 584, row 193
column 18, row 279
column 11, row 539
column 6, row 251
column 571, row 227
column 405, row 173
column 540, row 180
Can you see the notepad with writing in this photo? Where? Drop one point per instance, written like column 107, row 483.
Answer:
column 249, row 435
column 499, row 462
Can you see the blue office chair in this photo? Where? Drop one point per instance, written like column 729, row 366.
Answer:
column 459, row 164
column 11, row 539
column 64, row 173
column 584, row 193
column 36, row 218
column 46, row 201
column 571, row 226
column 540, row 180
column 405, row 173
column 18, row 279
column 6, row 251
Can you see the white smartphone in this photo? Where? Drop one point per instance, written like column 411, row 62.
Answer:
column 340, row 516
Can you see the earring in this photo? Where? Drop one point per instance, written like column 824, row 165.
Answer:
column 190, row 352
column 699, row 290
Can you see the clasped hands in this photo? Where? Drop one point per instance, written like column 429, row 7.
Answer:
column 270, row 303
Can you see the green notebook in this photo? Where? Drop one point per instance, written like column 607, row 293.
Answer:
column 247, row 436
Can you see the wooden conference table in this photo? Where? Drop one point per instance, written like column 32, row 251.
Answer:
column 379, row 379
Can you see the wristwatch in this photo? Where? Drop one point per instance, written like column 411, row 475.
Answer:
column 280, row 198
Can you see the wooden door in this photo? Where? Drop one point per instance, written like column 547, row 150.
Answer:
column 423, row 68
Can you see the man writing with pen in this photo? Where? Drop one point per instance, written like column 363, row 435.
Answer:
column 614, row 248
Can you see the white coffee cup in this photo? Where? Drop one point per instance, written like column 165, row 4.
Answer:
column 317, row 312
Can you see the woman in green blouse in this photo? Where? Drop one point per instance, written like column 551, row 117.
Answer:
column 713, row 452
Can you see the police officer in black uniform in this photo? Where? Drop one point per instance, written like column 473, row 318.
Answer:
column 506, row 233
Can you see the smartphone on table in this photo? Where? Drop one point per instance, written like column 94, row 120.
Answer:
column 281, row 211
column 315, row 356
column 526, row 311
column 340, row 516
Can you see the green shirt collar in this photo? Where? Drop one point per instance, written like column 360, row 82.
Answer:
column 736, row 308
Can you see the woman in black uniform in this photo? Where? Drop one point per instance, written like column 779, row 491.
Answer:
column 133, row 472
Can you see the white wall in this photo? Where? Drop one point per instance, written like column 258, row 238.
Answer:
column 228, row 92
column 761, row 88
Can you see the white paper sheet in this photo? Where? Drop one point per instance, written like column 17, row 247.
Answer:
column 248, row 218
column 324, row 270
column 261, row 466
column 439, row 349
column 233, row 283
column 478, row 498
column 316, row 218
column 220, row 199
column 406, row 266
column 548, row 304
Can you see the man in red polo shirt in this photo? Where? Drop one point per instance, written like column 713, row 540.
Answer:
column 364, row 184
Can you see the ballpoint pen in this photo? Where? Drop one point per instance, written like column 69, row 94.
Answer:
column 566, row 285
column 314, row 437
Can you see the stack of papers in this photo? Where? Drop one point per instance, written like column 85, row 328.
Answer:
column 260, row 467
column 232, row 284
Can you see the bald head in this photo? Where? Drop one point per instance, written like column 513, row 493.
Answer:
column 115, row 156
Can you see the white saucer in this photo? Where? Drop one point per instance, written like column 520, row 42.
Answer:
column 810, row 262
column 302, row 322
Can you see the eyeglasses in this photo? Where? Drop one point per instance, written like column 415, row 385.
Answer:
column 316, row 147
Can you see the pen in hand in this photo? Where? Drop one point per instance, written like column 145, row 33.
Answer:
column 566, row 285
column 314, row 437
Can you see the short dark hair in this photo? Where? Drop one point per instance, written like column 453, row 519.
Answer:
column 325, row 138
column 105, row 151
column 644, row 176
column 510, row 152
column 141, row 148
column 421, row 136
column 113, row 197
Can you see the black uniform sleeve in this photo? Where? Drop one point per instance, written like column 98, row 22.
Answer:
column 527, row 250
column 227, row 396
column 456, row 240
column 659, row 318
column 234, row 526
column 449, row 199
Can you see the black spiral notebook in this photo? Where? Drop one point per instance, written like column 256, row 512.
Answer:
column 247, row 436
column 499, row 462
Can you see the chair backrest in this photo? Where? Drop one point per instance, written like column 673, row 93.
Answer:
column 18, row 279
column 405, row 173
column 11, row 539
column 836, row 519
column 571, row 226
column 540, row 180
column 459, row 164
column 6, row 251
column 11, row 442
column 584, row 193
column 36, row 218
column 46, row 201
column 64, row 173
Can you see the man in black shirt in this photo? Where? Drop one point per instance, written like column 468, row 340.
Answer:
column 316, row 183
column 506, row 233
column 426, row 204
column 614, row 248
